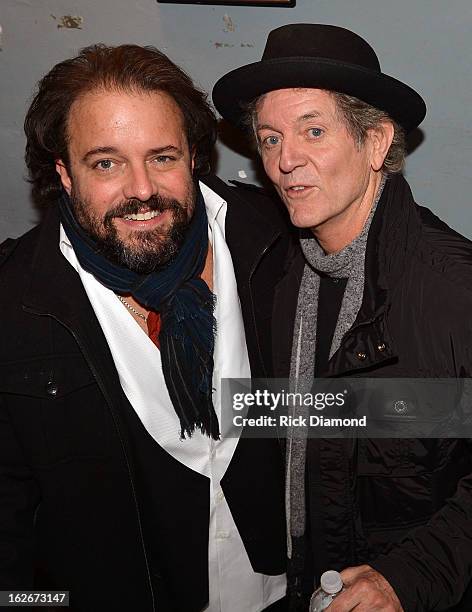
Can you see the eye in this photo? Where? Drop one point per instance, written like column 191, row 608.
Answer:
column 315, row 132
column 270, row 141
column 163, row 160
column 104, row 164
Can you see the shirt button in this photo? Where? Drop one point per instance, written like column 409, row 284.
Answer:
column 381, row 347
column 361, row 356
column 52, row 389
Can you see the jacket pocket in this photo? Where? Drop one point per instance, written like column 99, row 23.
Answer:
column 45, row 378
column 56, row 408
column 394, row 487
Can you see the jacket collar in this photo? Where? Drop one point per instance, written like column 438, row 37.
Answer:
column 247, row 230
column 249, row 236
column 55, row 288
column 392, row 240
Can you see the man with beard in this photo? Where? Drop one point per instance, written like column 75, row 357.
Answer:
column 121, row 314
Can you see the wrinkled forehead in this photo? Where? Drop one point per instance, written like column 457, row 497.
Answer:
column 292, row 105
column 292, row 93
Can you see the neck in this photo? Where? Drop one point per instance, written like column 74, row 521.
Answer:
column 340, row 231
column 207, row 272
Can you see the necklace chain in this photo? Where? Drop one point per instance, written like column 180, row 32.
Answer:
column 132, row 308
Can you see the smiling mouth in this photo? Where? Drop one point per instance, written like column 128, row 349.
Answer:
column 147, row 216
column 144, row 220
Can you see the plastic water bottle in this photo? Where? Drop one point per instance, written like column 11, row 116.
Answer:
column 331, row 585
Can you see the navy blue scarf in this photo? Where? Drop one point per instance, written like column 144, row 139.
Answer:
column 185, row 305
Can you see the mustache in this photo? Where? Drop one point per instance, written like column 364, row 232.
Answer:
column 133, row 206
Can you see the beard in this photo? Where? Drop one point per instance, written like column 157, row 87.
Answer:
column 140, row 251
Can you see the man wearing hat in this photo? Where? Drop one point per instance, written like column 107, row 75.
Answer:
column 380, row 287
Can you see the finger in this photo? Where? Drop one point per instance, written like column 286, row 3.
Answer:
column 345, row 602
column 348, row 605
column 362, row 592
column 363, row 607
column 350, row 574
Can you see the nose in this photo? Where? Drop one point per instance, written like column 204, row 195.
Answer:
column 139, row 184
column 291, row 155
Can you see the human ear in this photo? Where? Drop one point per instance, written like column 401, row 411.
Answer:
column 64, row 174
column 381, row 138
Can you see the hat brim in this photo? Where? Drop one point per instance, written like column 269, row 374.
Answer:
column 239, row 87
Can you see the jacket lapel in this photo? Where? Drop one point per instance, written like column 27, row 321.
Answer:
column 249, row 236
column 284, row 313
column 393, row 237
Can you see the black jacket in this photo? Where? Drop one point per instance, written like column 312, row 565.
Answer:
column 71, row 514
column 402, row 505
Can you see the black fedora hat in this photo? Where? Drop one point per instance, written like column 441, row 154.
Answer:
column 322, row 57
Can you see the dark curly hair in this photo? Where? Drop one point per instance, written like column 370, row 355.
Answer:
column 126, row 68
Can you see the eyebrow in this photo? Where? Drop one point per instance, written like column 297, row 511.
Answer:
column 306, row 117
column 99, row 151
column 114, row 151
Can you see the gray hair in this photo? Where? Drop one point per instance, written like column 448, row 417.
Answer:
column 359, row 117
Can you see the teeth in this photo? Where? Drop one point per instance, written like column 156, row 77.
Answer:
column 297, row 188
column 142, row 216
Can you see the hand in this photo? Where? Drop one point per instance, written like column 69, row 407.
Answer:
column 366, row 591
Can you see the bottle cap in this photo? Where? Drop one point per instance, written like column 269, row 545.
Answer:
column 331, row 582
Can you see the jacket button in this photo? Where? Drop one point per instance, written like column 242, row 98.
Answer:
column 400, row 406
column 361, row 356
column 381, row 347
column 52, row 389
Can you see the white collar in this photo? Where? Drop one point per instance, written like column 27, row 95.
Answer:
column 213, row 203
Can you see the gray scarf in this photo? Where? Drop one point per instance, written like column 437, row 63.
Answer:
column 348, row 263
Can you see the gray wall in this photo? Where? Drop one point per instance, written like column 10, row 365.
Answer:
column 426, row 43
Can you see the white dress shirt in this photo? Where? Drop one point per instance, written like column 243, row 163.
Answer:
column 233, row 585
